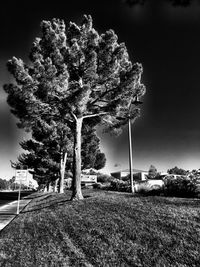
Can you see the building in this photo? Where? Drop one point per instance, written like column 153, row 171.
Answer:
column 30, row 182
column 137, row 174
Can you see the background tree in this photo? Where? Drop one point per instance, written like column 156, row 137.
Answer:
column 45, row 170
column 90, row 153
column 4, row 184
column 74, row 76
column 43, row 157
column 152, row 173
column 177, row 170
column 57, row 140
column 47, row 152
column 11, row 183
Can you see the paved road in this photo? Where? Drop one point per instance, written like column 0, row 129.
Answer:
column 4, row 202
column 9, row 211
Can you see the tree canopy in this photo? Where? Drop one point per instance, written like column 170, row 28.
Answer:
column 177, row 170
column 75, row 77
column 152, row 172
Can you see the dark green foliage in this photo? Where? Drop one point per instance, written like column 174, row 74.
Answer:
column 147, row 190
column 177, row 170
column 10, row 184
column 42, row 158
column 152, row 172
column 4, row 184
column 181, row 187
column 91, row 155
column 74, row 76
column 73, row 71
column 119, row 185
column 136, row 177
column 104, row 178
column 100, row 161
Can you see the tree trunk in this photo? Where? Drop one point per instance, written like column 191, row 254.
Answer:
column 62, row 172
column 50, row 187
column 47, row 187
column 55, row 188
column 76, row 184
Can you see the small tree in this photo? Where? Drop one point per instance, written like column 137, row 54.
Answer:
column 75, row 76
column 44, row 166
column 44, row 158
column 4, row 184
column 152, row 172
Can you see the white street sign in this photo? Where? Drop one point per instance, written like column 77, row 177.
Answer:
column 20, row 175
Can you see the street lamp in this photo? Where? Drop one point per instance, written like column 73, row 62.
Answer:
column 136, row 102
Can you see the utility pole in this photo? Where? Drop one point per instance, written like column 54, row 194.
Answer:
column 130, row 155
column 135, row 102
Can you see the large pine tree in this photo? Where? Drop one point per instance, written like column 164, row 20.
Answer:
column 75, row 75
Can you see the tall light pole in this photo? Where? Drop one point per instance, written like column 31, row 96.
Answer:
column 130, row 155
column 136, row 102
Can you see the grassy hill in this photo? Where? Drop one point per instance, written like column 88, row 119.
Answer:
column 105, row 229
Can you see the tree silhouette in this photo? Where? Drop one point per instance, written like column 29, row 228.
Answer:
column 75, row 76
column 177, row 170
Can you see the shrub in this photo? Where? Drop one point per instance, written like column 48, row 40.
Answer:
column 146, row 189
column 126, row 178
column 142, row 187
column 181, row 187
column 97, row 186
column 104, row 178
column 136, row 177
column 120, row 185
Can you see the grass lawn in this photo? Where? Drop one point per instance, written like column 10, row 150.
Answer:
column 105, row 229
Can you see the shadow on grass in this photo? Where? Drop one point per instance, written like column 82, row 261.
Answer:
column 41, row 206
column 47, row 206
column 44, row 196
column 87, row 196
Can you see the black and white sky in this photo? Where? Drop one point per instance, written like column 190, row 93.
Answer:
column 164, row 38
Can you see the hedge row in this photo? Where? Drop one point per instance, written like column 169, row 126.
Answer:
column 177, row 187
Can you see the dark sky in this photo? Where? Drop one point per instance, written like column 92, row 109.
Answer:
column 165, row 39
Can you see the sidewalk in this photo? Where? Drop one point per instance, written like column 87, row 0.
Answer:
column 9, row 211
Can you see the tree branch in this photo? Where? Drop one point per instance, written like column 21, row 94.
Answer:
column 69, row 121
column 106, row 121
column 105, row 101
column 102, row 95
column 94, row 115
column 73, row 115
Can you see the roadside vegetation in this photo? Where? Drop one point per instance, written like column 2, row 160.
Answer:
column 104, row 229
column 178, row 183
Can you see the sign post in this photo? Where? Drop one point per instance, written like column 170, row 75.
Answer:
column 19, row 197
column 20, row 175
